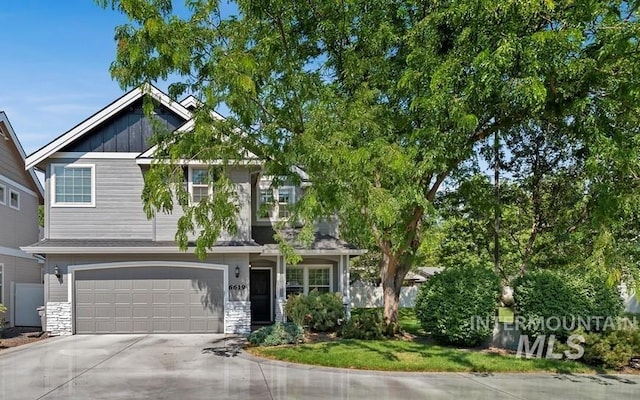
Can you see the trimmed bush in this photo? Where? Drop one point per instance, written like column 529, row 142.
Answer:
column 450, row 305
column 566, row 300
column 277, row 334
column 613, row 349
column 319, row 312
column 366, row 324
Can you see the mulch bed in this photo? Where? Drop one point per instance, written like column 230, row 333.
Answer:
column 12, row 337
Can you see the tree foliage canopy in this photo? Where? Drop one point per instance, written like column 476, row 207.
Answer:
column 381, row 101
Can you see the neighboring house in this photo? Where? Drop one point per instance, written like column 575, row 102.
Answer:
column 20, row 196
column 111, row 270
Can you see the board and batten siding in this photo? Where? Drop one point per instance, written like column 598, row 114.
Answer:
column 58, row 290
column 166, row 224
column 118, row 212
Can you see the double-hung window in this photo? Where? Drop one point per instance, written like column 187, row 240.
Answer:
column 3, row 194
column 73, row 185
column 201, row 180
column 286, row 198
column 305, row 278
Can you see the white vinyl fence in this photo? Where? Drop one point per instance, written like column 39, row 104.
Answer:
column 367, row 295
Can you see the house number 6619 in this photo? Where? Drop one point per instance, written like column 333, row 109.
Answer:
column 237, row 287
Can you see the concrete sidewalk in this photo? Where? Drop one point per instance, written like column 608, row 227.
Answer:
column 210, row 367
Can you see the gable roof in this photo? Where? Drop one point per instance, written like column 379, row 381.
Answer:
column 101, row 116
column 10, row 135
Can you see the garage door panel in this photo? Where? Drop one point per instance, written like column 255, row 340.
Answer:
column 149, row 299
column 142, row 284
column 126, row 298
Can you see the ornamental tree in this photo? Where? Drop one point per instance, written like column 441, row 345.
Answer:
column 379, row 101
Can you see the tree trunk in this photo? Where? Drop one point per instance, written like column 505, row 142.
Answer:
column 392, row 273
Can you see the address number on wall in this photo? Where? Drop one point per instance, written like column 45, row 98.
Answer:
column 237, row 287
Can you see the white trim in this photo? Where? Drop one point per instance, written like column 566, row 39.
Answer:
column 305, row 274
column 12, row 192
column 95, row 120
column 12, row 300
column 52, row 186
column 329, row 252
column 71, row 269
column 2, row 287
column 183, row 161
column 190, row 184
column 95, row 154
column 271, row 288
column 139, row 250
column 11, row 252
column 189, row 101
column 18, row 186
column 3, row 198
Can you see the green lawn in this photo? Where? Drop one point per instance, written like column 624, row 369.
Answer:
column 411, row 355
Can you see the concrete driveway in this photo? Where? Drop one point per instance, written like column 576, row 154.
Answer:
column 208, row 367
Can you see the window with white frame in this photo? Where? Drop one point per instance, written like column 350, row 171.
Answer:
column 73, row 185
column 305, row 278
column 3, row 194
column 265, row 203
column 201, row 181
column 286, row 198
column 1, row 275
column 14, row 199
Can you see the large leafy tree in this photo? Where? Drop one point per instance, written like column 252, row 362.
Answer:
column 380, row 101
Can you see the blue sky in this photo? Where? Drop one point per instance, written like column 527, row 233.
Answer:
column 54, row 67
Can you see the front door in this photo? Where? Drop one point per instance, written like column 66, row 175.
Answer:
column 260, row 295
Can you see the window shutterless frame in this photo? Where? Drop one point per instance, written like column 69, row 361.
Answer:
column 69, row 185
column 3, row 194
column 14, row 199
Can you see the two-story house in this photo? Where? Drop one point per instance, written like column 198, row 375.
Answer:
column 110, row 269
column 20, row 196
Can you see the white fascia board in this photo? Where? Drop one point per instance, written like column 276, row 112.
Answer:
column 93, row 121
column 95, row 155
column 351, row 252
column 149, row 161
column 138, row 250
column 186, row 127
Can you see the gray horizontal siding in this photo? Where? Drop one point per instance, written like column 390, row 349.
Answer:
column 166, row 224
column 18, row 227
column 118, row 212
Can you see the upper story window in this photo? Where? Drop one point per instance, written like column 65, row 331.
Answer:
column 268, row 208
column 286, row 198
column 3, row 194
column 14, row 199
column 73, row 185
column 201, row 183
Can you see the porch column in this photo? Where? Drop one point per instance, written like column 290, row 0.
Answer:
column 346, row 290
column 281, row 288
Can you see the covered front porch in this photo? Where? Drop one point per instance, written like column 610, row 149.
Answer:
column 272, row 280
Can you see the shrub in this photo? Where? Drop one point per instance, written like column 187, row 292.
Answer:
column 320, row 312
column 367, row 324
column 612, row 349
column 277, row 334
column 450, row 304
column 568, row 299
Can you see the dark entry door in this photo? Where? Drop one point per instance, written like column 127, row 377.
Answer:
column 260, row 295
